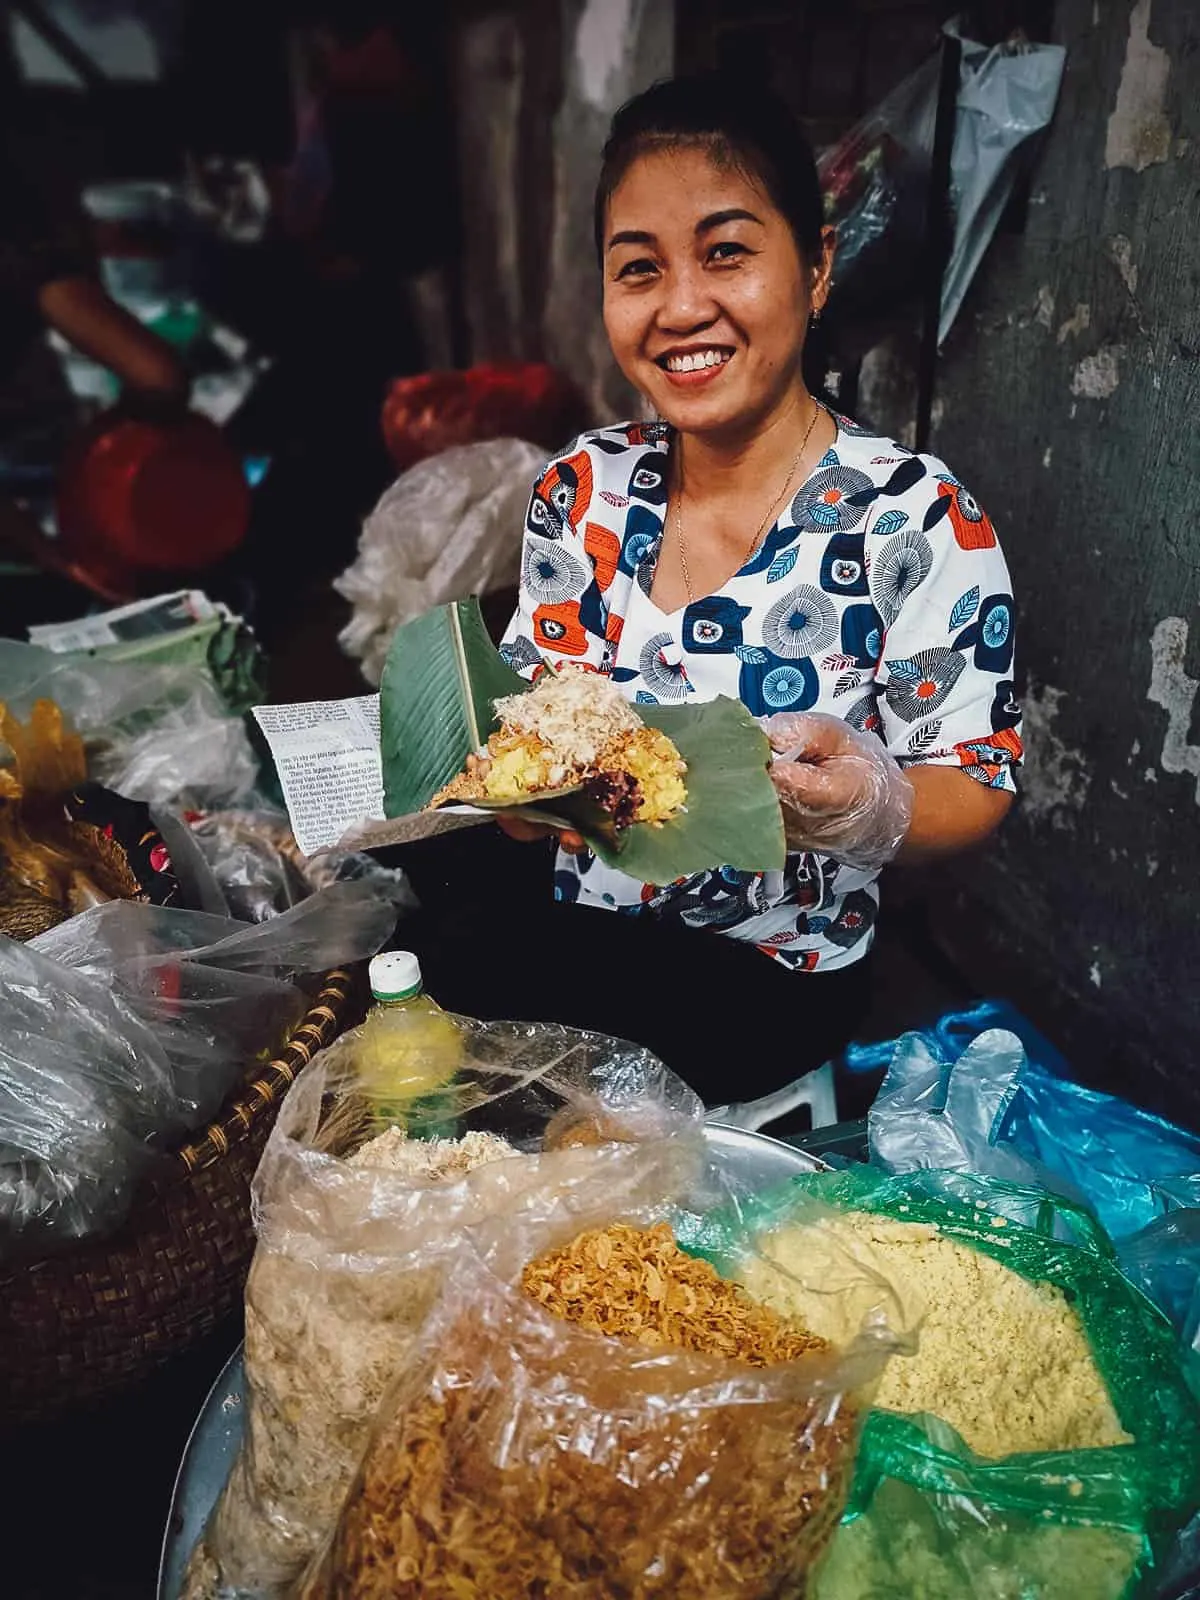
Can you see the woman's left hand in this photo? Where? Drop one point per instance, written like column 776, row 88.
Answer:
column 841, row 793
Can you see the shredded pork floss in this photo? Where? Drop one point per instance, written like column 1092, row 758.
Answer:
column 695, row 1449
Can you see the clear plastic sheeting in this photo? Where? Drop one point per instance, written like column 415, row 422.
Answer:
column 246, row 864
column 160, row 733
column 447, row 528
column 343, row 923
column 124, row 1028
column 351, row 1259
column 84, row 1084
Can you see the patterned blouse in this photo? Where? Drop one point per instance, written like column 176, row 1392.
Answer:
column 880, row 596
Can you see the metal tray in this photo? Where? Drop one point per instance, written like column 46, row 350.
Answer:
column 752, row 1158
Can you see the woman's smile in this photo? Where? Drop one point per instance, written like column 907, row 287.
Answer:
column 692, row 366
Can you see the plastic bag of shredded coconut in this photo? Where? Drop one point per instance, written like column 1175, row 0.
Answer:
column 358, row 1226
column 606, row 1417
column 1063, row 1378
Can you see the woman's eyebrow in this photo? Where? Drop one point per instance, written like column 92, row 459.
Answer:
column 630, row 236
column 718, row 219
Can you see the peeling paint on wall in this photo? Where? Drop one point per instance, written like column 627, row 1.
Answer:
column 1105, row 543
column 1121, row 251
column 1043, row 310
column 1139, row 134
column 1173, row 690
column 1055, row 778
column 1098, row 376
column 1079, row 320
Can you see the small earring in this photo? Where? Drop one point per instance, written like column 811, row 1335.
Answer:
column 814, row 317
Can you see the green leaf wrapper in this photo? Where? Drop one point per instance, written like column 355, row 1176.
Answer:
column 441, row 679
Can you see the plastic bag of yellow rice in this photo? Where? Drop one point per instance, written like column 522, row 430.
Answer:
column 1041, row 1443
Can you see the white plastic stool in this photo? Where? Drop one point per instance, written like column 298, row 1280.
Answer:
column 814, row 1089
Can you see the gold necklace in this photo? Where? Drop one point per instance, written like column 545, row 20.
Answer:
column 763, row 526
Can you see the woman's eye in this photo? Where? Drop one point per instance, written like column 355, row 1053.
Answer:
column 636, row 269
column 727, row 250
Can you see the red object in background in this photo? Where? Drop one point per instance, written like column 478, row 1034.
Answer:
column 138, row 497
column 431, row 412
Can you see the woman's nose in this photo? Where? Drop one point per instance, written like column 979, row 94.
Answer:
column 687, row 301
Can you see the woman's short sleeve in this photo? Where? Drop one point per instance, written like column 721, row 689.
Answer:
column 946, row 677
column 561, row 615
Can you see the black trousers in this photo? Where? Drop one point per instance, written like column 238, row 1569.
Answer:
column 730, row 1021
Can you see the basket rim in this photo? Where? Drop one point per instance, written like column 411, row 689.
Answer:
column 250, row 1102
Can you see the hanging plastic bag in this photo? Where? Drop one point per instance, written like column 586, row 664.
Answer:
column 351, row 1256
column 538, row 1443
column 876, row 179
column 125, row 1027
column 943, row 1514
column 448, row 528
column 161, row 734
column 1006, row 95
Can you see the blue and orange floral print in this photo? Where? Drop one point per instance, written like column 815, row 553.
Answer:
column 880, row 596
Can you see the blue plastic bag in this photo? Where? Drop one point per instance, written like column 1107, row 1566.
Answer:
column 983, row 1091
column 1163, row 1259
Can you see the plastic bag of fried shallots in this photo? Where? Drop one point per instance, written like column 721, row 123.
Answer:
column 591, row 1411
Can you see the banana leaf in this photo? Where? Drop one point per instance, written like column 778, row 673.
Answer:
column 436, row 708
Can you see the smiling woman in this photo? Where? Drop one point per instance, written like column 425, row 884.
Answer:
column 749, row 543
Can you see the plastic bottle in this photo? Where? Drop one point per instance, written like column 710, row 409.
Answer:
column 408, row 1048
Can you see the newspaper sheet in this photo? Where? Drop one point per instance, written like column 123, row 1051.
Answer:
column 330, row 770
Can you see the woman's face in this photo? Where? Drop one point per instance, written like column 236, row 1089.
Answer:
column 706, row 296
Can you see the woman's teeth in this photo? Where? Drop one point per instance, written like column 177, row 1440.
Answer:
column 693, row 361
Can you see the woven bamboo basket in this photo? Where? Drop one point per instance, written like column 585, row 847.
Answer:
column 92, row 1319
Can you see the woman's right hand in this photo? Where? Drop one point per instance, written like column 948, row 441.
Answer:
column 525, row 832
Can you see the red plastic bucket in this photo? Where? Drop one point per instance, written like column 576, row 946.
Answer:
column 141, row 497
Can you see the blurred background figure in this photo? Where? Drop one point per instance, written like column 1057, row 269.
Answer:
column 49, row 283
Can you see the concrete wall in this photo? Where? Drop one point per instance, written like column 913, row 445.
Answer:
column 536, row 85
column 1069, row 397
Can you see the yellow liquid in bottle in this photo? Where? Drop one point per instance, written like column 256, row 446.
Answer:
column 408, row 1049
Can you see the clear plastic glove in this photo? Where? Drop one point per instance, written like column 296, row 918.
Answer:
column 842, row 794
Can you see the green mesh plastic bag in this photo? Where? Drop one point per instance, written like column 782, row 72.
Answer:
column 910, row 1542
column 926, row 1516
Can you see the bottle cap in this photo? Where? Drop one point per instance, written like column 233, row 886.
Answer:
column 395, row 975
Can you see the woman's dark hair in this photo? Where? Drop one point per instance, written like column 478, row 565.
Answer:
column 734, row 121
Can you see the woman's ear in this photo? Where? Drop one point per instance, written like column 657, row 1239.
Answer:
column 822, row 272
